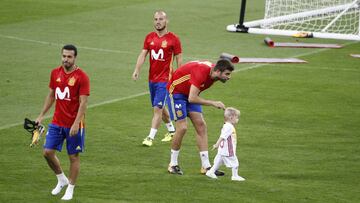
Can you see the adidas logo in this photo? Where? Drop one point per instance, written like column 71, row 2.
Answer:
column 78, row 148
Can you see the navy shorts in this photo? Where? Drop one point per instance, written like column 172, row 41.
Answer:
column 56, row 135
column 180, row 106
column 158, row 94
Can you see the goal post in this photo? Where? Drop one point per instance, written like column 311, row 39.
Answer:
column 333, row 19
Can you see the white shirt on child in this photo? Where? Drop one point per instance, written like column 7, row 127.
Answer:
column 227, row 146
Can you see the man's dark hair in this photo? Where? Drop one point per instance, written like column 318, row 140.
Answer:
column 70, row 47
column 224, row 64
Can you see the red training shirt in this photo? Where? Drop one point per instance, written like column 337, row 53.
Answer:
column 68, row 88
column 161, row 51
column 195, row 73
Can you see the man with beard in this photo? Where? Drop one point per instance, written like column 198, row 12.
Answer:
column 69, row 89
column 184, row 88
column 163, row 47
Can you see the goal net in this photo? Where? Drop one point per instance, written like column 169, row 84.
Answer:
column 337, row 19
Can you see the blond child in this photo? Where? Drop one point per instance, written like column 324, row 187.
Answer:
column 226, row 146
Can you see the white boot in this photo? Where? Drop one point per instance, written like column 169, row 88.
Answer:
column 69, row 192
column 62, row 182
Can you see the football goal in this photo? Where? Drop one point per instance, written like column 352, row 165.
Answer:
column 333, row 19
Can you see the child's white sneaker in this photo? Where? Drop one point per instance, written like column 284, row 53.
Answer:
column 237, row 178
column 210, row 175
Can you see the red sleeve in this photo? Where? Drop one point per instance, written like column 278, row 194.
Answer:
column 52, row 80
column 197, row 75
column 84, row 85
column 146, row 44
column 177, row 46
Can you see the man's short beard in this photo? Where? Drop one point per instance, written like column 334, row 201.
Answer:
column 68, row 67
column 222, row 80
column 160, row 29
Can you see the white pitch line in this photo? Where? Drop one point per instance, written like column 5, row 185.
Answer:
column 80, row 47
column 139, row 94
column 89, row 107
column 60, row 45
column 118, row 99
column 10, row 126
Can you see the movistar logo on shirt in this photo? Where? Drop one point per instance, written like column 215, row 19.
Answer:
column 62, row 95
column 157, row 55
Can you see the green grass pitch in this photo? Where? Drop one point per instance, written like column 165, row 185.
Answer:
column 298, row 133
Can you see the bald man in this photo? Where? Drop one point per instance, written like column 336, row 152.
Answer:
column 164, row 47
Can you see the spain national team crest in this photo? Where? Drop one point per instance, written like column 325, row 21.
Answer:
column 72, row 81
column 164, row 44
column 179, row 113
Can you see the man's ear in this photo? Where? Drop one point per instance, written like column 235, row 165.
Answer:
column 218, row 72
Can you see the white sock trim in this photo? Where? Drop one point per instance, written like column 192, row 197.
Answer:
column 174, row 157
column 170, row 127
column 152, row 133
column 61, row 177
column 204, row 156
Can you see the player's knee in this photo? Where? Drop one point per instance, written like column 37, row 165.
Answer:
column 74, row 158
column 48, row 154
column 158, row 110
column 201, row 126
column 181, row 129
